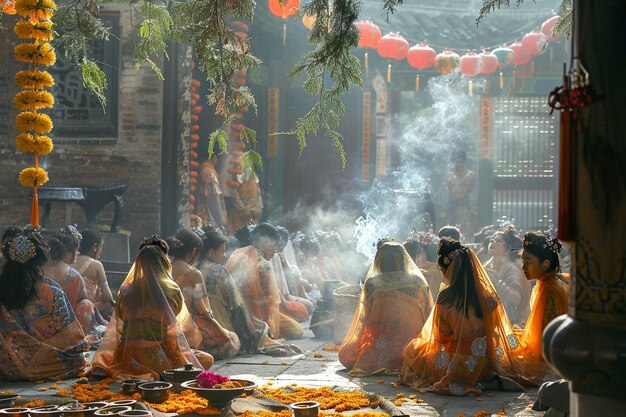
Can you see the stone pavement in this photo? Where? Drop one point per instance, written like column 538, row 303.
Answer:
column 307, row 369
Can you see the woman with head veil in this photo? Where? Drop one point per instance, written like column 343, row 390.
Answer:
column 146, row 333
column 395, row 303
column 465, row 345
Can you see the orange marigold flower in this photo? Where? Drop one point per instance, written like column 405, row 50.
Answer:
column 28, row 120
column 37, row 53
column 41, row 30
column 34, row 177
column 35, row 9
column 9, row 392
column 331, row 348
column 28, row 99
column 8, row 8
column 34, row 79
column 34, row 403
column 317, row 355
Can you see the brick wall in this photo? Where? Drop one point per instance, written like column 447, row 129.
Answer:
column 133, row 156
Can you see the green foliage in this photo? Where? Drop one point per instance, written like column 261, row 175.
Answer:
column 390, row 6
column 153, row 34
column 94, row 79
column 248, row 136
column 251, row 160
column 219, row 137
column 331, row 69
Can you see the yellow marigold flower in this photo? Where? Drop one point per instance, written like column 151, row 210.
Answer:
column 28, row 120
column 41, row 30
column 33, row 177
column 28, row 99
column 25, row 142
column 37, row 53
column 34, row 79
column 35, row 9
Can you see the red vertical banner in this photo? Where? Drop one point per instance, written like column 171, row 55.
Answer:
column 273, row 118
column 486, row 127
column 366, row 135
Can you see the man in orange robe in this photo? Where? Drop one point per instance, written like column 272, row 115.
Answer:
column 253, row 272
column 540, row 261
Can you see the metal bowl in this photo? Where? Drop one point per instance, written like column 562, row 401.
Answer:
column 111, row 411
column 155, row 392
column 82, row 410
column 305, row 408
column 15, row 412
column 220, row 397
column 129, row 386
column 180, row 375
column 123, row 403
column 45, row 411
column 136, row 413
column 8, row 400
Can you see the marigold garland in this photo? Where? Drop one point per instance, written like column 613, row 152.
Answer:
column 42, row 145
column 34, row 403
column 35, row 9
column 326, row 396
column 28, row 120
column 33, row 177
column 37, row 53
column 41, row 30
column 34, row 79
column 27, row 99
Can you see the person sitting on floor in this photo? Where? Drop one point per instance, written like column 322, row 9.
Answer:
column 40, row 336
column 467, row 337
column 252, row 270
column 394, row 306
column 422, row 247
column 63, row 249
column 185, row 248
column 92, row 271
column 145, row 335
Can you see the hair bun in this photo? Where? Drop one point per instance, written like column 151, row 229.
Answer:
column 155, row 240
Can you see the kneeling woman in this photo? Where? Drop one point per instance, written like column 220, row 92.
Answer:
column 394, row 305
column 185, row 248
column 145, row 335
column 466, row 338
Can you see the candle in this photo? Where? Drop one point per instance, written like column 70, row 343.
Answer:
column 470, row 88
column 501, row 81
column 417, row 83
column 389, row 73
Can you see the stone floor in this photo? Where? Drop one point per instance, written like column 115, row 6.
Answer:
column 307, row 369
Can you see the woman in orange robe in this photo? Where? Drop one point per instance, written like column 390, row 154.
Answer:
column 394, row 305
column 464, row 346
column 540, row 261
column 185, row 248
column 146, row 333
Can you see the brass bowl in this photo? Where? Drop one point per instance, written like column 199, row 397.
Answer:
column 8, row 400
column 155, row 392
column 220, row 397
column 305, row 408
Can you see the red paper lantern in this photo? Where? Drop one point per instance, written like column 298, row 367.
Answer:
column 369, row 34
column 284, row 10
column 308, row 21
column 547, row 26
column 489, row 63
column 421, row 56
column 393, row 46
column 521, row 57
column 471, row 64
column 533, row 42
column 447, row 62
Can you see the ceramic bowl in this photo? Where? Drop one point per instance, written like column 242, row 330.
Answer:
column 15, row 412
column 305, row 408
column 220, row 397
column 111, row 411
column 155, row 392
column 136, row 413
column 8, row 400
column 45, row 411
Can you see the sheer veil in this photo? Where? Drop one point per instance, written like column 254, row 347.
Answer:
column 146, row 333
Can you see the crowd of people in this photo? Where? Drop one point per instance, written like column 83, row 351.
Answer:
column 443, row 315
